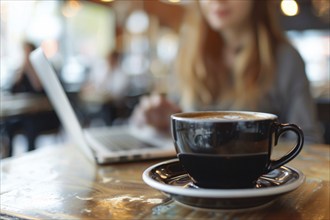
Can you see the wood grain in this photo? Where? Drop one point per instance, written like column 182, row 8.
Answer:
column 58, row 183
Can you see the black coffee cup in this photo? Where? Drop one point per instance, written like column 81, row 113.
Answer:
column 229, row 149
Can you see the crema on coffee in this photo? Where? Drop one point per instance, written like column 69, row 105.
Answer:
column 225, row 115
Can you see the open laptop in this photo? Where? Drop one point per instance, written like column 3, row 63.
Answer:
column 103, row 144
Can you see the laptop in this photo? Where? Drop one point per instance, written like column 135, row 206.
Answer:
column 104, row 145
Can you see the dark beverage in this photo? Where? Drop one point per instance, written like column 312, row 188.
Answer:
column 229, row 149
column 231, row 171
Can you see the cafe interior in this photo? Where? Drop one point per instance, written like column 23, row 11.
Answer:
column 79, row 36
column 139, row 39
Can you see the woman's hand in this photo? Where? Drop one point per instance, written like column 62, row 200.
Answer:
column 155, row 111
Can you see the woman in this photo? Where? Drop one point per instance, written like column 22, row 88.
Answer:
column 233, row 56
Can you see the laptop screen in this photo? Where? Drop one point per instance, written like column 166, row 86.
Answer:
column 59, row 100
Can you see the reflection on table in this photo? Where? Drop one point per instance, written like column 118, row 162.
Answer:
column 60, row 184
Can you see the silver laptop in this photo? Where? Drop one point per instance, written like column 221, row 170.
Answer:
column 103, row 144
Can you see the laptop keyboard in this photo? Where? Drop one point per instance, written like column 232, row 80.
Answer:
column 120, row 142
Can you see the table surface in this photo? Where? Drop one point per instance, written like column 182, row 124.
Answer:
column 23, row 103
column 59, row 183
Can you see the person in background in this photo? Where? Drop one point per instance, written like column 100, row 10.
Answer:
column 233, row 56
column 26, row 78
column 32, row 125
column 108, row 78
column 116, row 82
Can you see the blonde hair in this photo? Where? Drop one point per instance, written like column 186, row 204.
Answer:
column 205, row 81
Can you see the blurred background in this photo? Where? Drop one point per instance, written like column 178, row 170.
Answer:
column 138, row 40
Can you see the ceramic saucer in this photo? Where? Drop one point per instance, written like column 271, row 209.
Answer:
column 170, row 178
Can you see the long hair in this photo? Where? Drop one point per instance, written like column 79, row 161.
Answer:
column 205, row 79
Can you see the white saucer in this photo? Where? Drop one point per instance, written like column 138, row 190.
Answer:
column 170, row 178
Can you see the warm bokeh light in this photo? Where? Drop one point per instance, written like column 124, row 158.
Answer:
column 289, row 7
column 107, row 0
column 174, row 1
column 50, row 47
column 71, row 8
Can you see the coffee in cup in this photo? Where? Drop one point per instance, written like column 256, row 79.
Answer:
column 229, row 149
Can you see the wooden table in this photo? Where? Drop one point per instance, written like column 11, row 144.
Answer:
column 59, row 183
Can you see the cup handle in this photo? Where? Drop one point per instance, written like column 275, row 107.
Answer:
column 279, row 129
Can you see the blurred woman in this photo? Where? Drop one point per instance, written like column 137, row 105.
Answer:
column 233, row 56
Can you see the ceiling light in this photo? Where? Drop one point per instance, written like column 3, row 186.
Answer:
column 289, row 7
